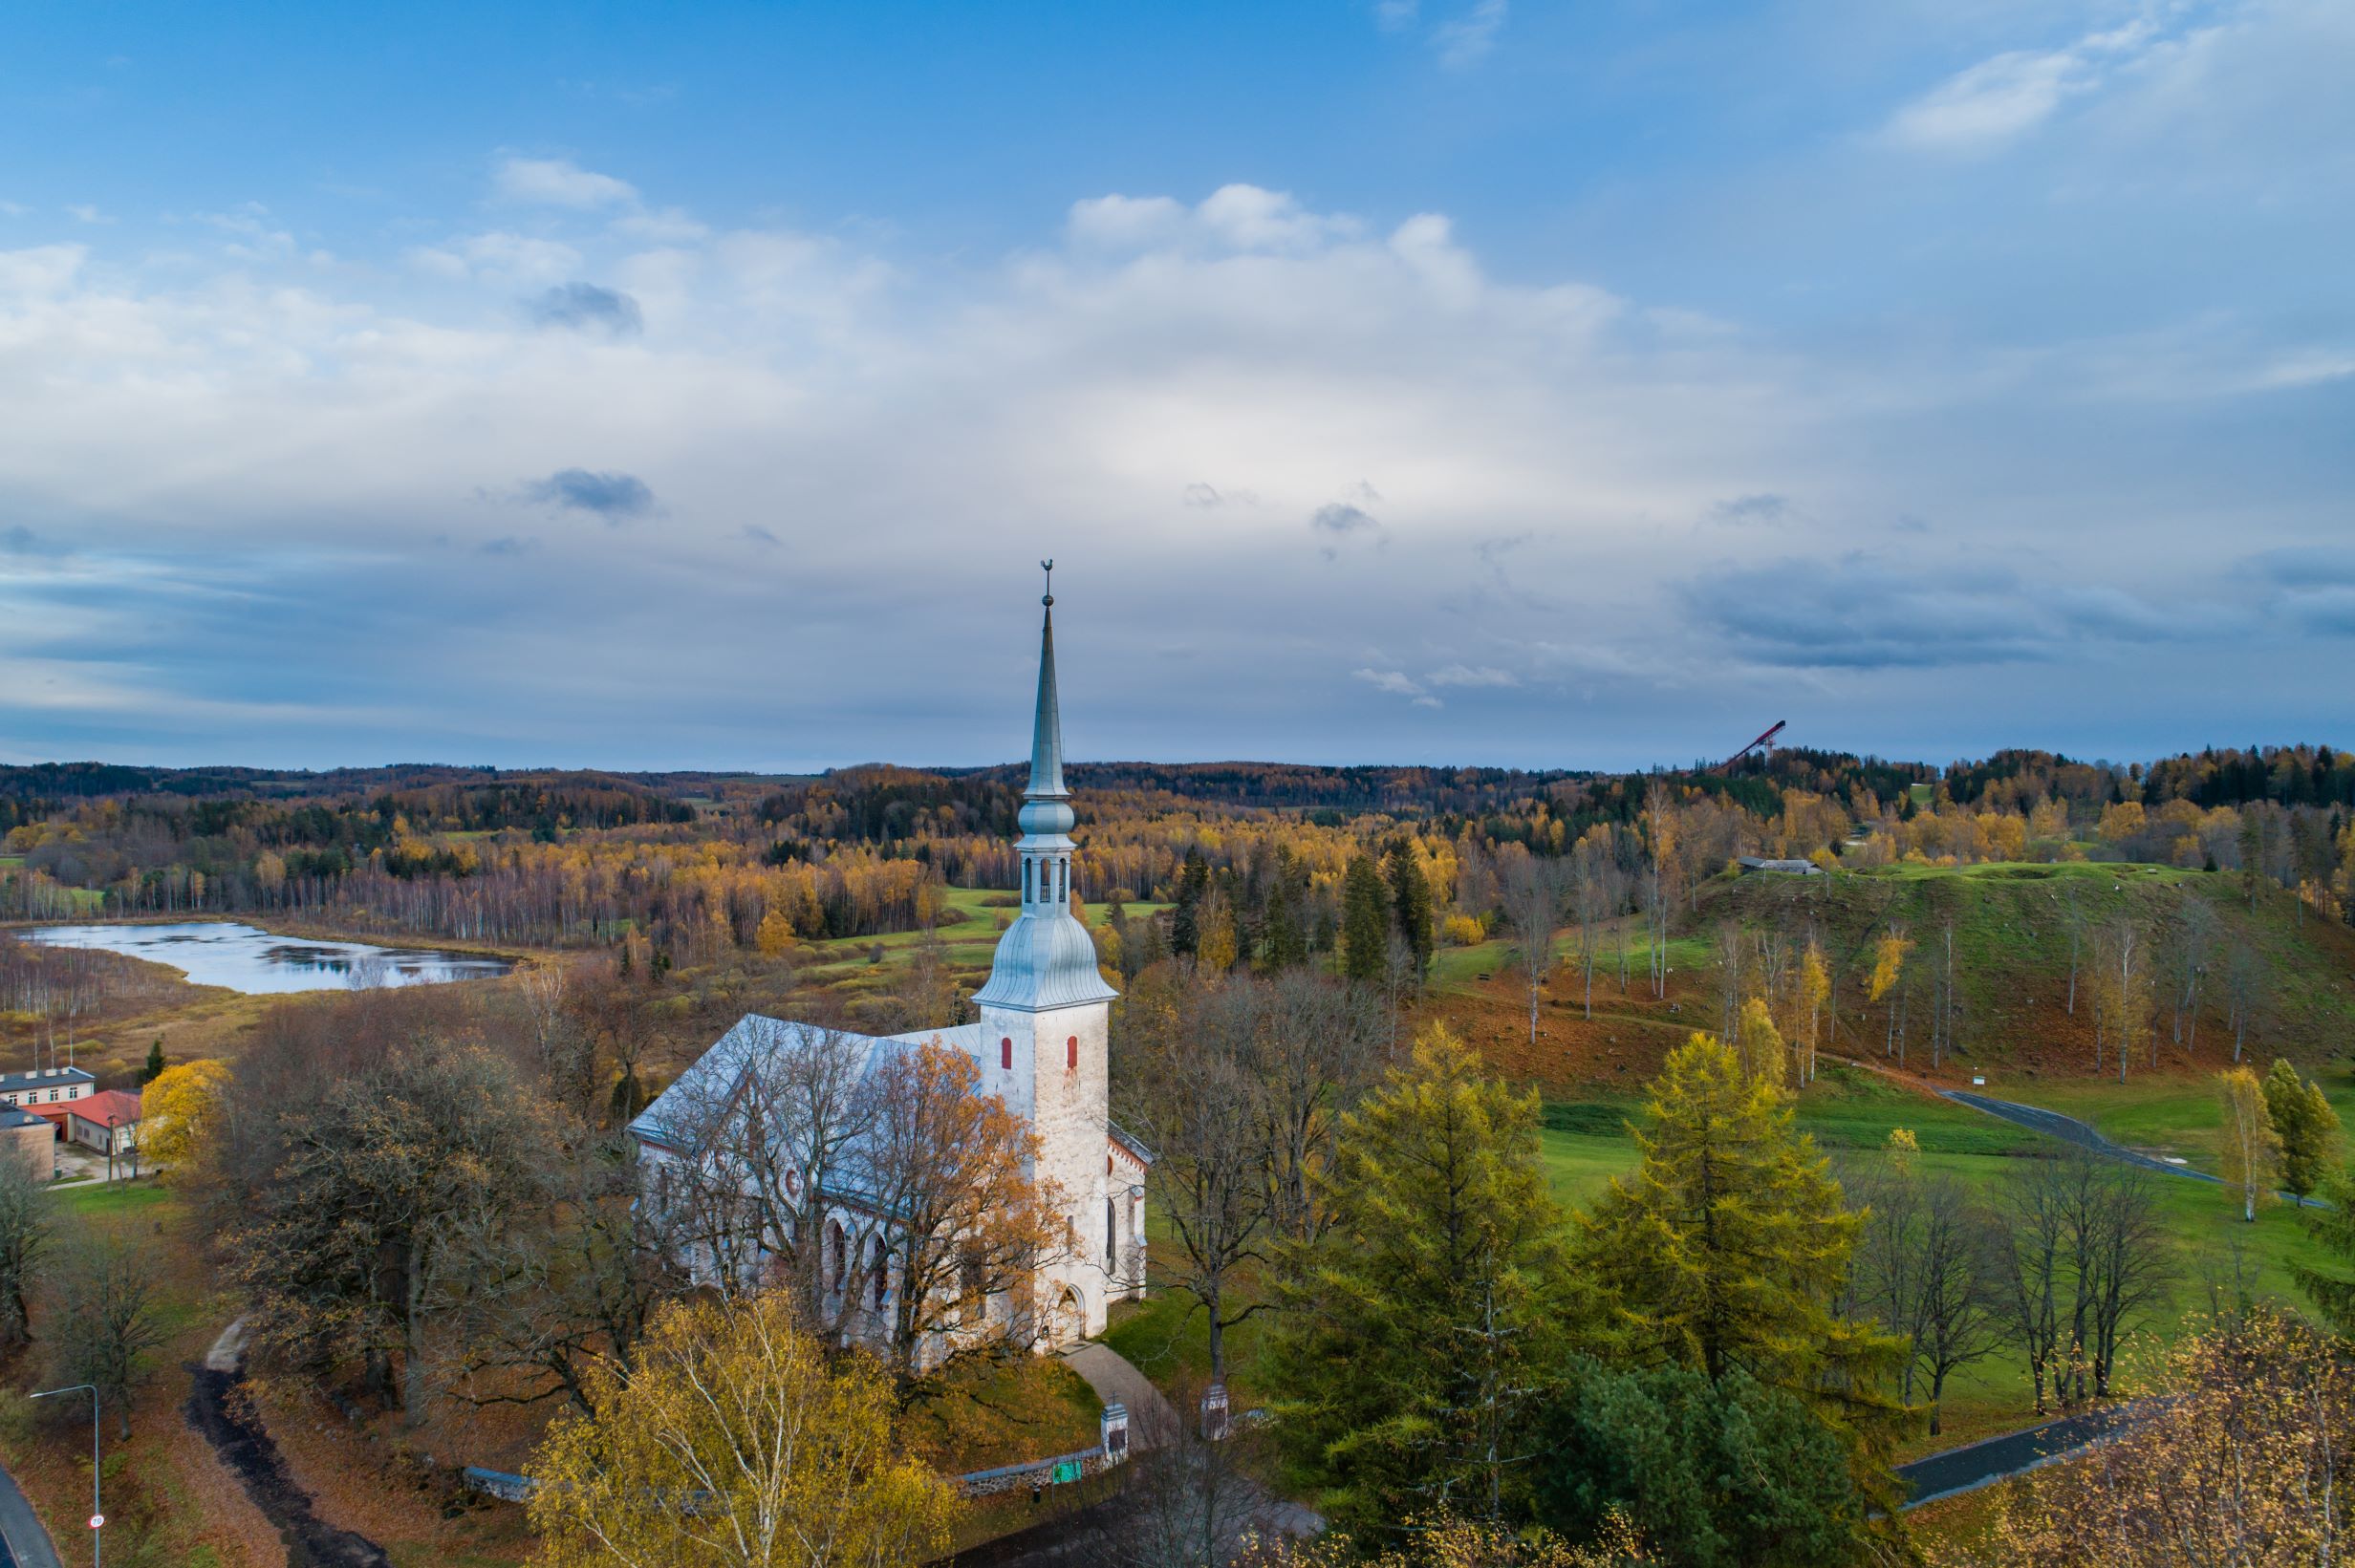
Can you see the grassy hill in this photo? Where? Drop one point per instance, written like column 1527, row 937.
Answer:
column 2011, row 926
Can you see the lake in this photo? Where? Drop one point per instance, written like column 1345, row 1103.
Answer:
column 247, row 958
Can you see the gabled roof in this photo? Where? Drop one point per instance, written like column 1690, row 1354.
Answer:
column 676, row 1118
column 12, row 1117
column 108, row 1105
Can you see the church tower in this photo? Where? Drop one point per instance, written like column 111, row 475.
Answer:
column 1043, row 1013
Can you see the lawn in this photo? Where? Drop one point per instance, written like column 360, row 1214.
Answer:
column 2213, row 1253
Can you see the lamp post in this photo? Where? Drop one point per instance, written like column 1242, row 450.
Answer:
column 98, row 1513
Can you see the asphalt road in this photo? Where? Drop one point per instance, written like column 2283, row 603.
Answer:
column 1978, row 1464
column 23, row 1542
column 2069, row 1129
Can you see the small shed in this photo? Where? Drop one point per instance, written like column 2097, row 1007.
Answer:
column 1752, row 864
column 109, row 1117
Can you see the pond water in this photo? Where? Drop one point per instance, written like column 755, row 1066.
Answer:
column 247, row 958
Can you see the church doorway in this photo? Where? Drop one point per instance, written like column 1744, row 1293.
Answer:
column 1070, row 1323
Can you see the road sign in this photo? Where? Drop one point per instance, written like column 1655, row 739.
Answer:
column 1067, row 1471
column 98, row 1521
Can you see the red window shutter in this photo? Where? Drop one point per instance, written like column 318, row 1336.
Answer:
column 1070, row 1054
column 1006, row 1053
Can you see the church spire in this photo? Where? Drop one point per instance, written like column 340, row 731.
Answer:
column 1046, row 728
column 1046, row 959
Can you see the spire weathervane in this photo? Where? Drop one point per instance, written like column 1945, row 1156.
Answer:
column 1047, row 566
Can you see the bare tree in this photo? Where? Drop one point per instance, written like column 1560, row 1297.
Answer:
column 2087, row 1262
column 1192, row 1503
column 23, row 1236
column 1323, row 1045
column 1924, row 1267
column 1198, row 1099
column 1532, row 901
column 2188, row 947
column 2245, row 985
column 109, row 1319
column 770, row 1131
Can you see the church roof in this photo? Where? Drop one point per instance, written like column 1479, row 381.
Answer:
column 681, row 1115
column 1044, row 960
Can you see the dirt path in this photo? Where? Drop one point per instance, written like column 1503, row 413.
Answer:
column 229, row 1422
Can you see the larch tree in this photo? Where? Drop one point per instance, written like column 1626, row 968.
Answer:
column 2251, row 1148
column 110, row 1316
column 2307, row 1126
column 739, row 1440
column 1728, row 1247
column 1415, row 1338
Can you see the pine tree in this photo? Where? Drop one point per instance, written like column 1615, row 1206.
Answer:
column 155, row 1064
column 1418, row 1334
column 1283, row 944
column 1410, row 898
column 2308, row 1128
column 1365, row 920
column 1727, row 1248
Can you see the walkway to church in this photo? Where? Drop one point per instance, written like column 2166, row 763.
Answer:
column 1115, row 1381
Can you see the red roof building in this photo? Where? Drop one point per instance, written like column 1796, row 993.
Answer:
column 92, row 1121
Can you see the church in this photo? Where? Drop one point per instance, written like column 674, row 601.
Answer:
column 1039, row 1043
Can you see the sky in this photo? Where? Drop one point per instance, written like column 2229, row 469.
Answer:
column 1465, row 381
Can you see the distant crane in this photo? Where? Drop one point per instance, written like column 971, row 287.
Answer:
column 1766, row 741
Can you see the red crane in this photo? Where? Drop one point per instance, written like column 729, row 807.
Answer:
column 1765, row 739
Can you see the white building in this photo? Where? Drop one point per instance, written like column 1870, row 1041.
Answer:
column 1039, row 1045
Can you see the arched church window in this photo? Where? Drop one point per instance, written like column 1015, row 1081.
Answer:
column 1006, row 1053
column 1070, row 1054
column 1112, row 1235
column 838, row 1247
column 882, row 1273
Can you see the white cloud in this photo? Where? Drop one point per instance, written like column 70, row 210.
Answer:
column 84, row 213
column 557, row 181
column 1168, row 401
column 2010, row 93
column 1459, row 674
column 1397, row 683
column 1465, row 40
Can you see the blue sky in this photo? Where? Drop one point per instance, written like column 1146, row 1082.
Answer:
column 1473, row 381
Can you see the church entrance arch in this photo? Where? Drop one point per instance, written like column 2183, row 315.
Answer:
column 1071, row 1319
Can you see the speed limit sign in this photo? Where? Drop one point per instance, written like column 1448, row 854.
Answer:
column 98, row 1521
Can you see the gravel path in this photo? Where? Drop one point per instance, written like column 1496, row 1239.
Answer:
column 225, row 1419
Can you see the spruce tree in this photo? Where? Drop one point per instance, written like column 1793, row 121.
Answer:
column 1365, row 920
column 1185, row 921
column 1727, row 1249
column 1417, row 1335
column 1410, row 898
column 154, row 1069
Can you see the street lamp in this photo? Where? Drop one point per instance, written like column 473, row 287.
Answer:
column 98, row 1513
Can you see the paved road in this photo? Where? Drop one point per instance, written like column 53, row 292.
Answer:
column 1975, row 1465
column 23, row 1542
column 2069, row 1129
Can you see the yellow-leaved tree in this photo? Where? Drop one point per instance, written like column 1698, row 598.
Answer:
column 737, row 1440
column 176, row 1111
column 2252, row 1149
column 1888, row 969
column 1814, row 990
column 1760, row 1043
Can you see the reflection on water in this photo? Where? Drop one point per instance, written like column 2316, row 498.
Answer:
column 251, row 959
